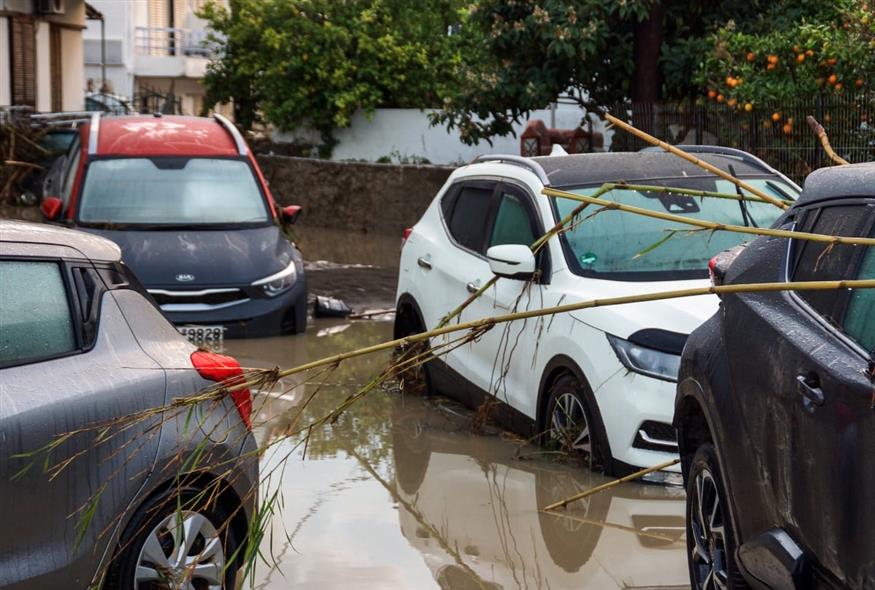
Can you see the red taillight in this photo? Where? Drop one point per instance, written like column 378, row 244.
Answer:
column 405, row 235
column 226, row 370
column 712, row 264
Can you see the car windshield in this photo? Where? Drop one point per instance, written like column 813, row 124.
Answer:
column 171, row 191
column 625, row 246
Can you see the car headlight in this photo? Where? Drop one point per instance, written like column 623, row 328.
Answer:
column 647, row 361
column 278, row 282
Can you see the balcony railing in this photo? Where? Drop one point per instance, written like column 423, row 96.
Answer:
column 171, row 42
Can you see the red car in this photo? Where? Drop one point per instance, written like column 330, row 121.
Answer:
column 187, row 203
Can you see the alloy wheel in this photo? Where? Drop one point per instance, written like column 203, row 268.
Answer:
column 708, row 550
column 569, row 425
column 184, row 552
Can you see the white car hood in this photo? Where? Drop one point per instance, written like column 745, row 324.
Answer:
column 682, row 315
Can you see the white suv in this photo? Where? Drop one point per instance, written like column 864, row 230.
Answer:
column 599, row 381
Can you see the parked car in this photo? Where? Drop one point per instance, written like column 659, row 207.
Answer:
column 600, row 381
column 775, row 409
column 82, row 347
column 107, row 103
column 186, row 201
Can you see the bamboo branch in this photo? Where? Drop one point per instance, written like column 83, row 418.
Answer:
column 696, row 161
column 710, row 225
column 609, row 485
column 821, row 135
column 647, row 188
column 487, row 323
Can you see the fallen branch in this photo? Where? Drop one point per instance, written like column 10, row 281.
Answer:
column 696, row 161
column 710, row 225
column 609, row 485
column 821, row 135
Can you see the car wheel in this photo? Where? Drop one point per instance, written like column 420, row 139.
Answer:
column 710, row 536
column 177, row 539
column 569, row 421
column 407, row 323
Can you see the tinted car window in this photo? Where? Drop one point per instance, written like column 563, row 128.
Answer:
column 468, row 220
column 35, row 320
column 859, row 321
column 824, row 262
column 512, row 222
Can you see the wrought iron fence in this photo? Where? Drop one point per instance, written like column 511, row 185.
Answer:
column 169, row 42
column 775, row 132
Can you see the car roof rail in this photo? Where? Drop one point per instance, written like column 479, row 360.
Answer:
column 719, row 150
column 233, row 131
column 93, row 133
column 520, row 161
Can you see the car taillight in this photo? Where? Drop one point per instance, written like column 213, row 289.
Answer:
column 405, row 235
column 718, row 265
column 226, row 370
column 712, row 264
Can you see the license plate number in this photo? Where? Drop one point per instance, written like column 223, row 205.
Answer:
column 203, row 334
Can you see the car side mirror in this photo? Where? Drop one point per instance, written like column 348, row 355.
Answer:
column 51, row 208
column 512, row 261
column 291, row 213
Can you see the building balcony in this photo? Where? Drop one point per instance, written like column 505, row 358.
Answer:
column 171, row 53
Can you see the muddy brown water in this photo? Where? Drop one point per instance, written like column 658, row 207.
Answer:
column 400, row 493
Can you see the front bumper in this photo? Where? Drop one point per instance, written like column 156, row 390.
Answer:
column 243, row 314
column 633, row 407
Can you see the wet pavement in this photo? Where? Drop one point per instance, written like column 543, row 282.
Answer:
column 401, row 493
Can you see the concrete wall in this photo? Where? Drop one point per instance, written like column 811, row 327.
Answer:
column 5, row 63
column 382, row 198
column 407, row 132
column 43, row 67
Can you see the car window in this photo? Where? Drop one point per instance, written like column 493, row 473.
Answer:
column 467, row 222
column 35, row 319
column 513, row 225
column 816, row 261
column 859, row 321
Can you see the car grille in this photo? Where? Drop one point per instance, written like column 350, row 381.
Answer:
column 200, row 300
column 656, row 436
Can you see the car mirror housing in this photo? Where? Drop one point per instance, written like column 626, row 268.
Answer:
column 512, row 261
column 51, row 208
column 291, row 213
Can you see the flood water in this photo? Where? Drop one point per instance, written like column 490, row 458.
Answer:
column 401, row 493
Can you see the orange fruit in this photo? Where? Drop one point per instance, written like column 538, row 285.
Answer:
column 712, row 93
column 788, row 128
column 731, row 102
column 719, row 98
column 832, row 79
column 800, row 58
column 809, row 53
column 832, row 61
column 859, row 82
column 748, row 107
column 776, row 117
column 770, row 67
column 751, row 56
column 730, row 81
column 773, row 59
column 838, row 87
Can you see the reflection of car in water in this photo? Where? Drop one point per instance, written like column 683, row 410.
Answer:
column 473, row 513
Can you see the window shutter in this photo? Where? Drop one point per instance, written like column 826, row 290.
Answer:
column 23, row 41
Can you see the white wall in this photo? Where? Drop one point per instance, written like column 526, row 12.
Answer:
column 43, row 69
column 72, row 78
column 408, row 133
column 119, row 19
column 5, row 59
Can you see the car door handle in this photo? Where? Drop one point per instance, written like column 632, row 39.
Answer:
column 472, row 288
column 809, row 388
column 424, row 262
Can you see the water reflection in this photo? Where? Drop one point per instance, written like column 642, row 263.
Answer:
column 400, row 494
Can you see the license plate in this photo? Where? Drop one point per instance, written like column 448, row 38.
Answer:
column 203, row 334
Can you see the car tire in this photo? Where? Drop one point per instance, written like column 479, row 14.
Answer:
column 569, row 422
column 151, row 530
column 408, row 323
column 710, row 534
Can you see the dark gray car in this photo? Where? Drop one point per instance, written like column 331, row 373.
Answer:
column 100, row 478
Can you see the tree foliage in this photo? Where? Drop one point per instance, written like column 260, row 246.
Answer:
column 317, row 62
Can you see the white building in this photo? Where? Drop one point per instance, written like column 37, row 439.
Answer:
column 41, row 54
column 151, row 46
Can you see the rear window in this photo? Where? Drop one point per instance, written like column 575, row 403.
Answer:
column 171, row 191
column 35, row 320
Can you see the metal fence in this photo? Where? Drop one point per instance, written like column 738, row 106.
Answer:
column 775, row 132
column 170, row 42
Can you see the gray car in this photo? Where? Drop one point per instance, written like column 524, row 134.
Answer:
column 106, row 477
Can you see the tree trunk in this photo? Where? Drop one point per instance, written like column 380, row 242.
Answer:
column 647, row 81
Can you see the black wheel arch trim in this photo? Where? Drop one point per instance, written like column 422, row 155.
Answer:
column 407, row 300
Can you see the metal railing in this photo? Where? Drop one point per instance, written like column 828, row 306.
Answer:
column 775, row 132
column 172, row 42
